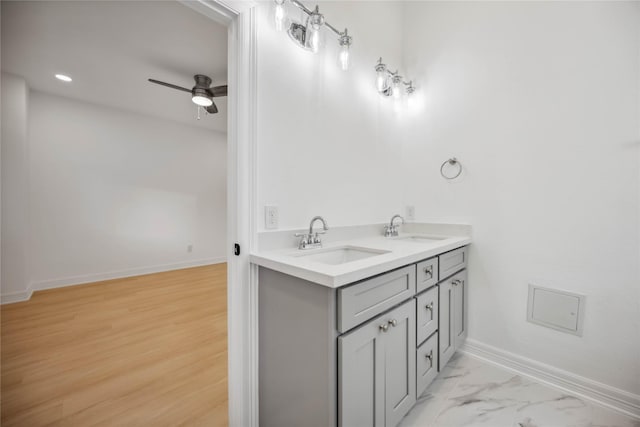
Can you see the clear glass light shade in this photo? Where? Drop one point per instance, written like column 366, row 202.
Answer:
column 381, row 81
column 280, row 16
column 312, row 39
column 396, row 90
column 343, row 57
column 202, row 101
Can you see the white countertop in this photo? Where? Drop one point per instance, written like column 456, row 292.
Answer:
column 401, row 252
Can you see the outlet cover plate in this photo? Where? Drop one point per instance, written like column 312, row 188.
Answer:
column 410, row 213
column 270, row 217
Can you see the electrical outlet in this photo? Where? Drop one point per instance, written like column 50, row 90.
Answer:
column 411, row 213
column 190, row 248
column 270, row 217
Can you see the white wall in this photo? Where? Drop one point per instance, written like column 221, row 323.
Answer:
column 540, row 102
column 118, row 193
column 327, row 143
column 15, row 184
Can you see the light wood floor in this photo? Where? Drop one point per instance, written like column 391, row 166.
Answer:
column 143, row 351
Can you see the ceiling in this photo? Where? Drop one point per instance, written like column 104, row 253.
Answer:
column 111, row 48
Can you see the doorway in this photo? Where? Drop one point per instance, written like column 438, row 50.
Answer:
column 141, row 227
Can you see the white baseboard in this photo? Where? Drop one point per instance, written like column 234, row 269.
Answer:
column 16, row 297
column 90, row 278
column 611, row 397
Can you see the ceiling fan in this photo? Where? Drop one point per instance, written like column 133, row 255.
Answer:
column 201, row 94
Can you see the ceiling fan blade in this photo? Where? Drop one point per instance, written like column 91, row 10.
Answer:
column 218, row 91
column 211, row 109
column 170, row 85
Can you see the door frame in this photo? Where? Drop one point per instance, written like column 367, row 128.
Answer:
column 242, row 323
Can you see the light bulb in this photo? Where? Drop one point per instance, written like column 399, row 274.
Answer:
column 396, row 90
column 381, row 81
column 313, row 40
column 381, row 76
column 343, row 57
column 312, row 32
column 344, row 41
column 280, row 15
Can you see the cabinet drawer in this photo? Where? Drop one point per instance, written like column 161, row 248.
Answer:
column 364, row 300
column 452, row 262
column 427, row 314
column 427, row 274
column 426, row 364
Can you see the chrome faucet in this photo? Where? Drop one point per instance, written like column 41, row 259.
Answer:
column 391, row 230
column 312, row 240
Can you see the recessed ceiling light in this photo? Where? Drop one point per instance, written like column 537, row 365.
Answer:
column 63, row 78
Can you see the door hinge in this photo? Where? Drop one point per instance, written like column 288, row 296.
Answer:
column 236, row 249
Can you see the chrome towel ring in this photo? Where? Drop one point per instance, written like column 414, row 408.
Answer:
column 453, row 162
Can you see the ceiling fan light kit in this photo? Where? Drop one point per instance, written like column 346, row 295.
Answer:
column 202, row 93
column 201, row 97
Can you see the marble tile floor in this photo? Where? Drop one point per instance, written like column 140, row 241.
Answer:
column 470, row 392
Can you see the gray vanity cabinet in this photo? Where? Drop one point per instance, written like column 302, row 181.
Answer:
column 452, row 315
column 377, row 370
column 357, row 355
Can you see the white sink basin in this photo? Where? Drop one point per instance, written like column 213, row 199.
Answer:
column 340, row 255
column 423, row 239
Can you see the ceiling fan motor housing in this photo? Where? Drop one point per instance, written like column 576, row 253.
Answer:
column 202, row 81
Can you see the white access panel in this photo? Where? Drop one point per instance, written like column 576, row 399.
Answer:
column 560, row 310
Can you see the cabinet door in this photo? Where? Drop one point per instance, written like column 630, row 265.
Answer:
column 459, row 283
column 361, row 375
column 400, row 363
column 446, row 334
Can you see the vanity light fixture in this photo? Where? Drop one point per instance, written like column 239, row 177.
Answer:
column 307, row 35
column 389, row 83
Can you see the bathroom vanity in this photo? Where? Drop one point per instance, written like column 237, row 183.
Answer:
column 352, row 333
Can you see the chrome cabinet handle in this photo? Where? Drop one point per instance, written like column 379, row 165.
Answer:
column 429, row 306
column 456, row 282
column 393, row 322
column 384, row 327
column 430, row 357
column 429, row 270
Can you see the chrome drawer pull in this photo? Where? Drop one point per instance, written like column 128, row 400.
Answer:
column 429, row 270
column 384, row 327
column 430, row 357
column 429, row 306
column 393, row 322
column 456, row 282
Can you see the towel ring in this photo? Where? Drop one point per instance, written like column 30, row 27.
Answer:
column 452, row 161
